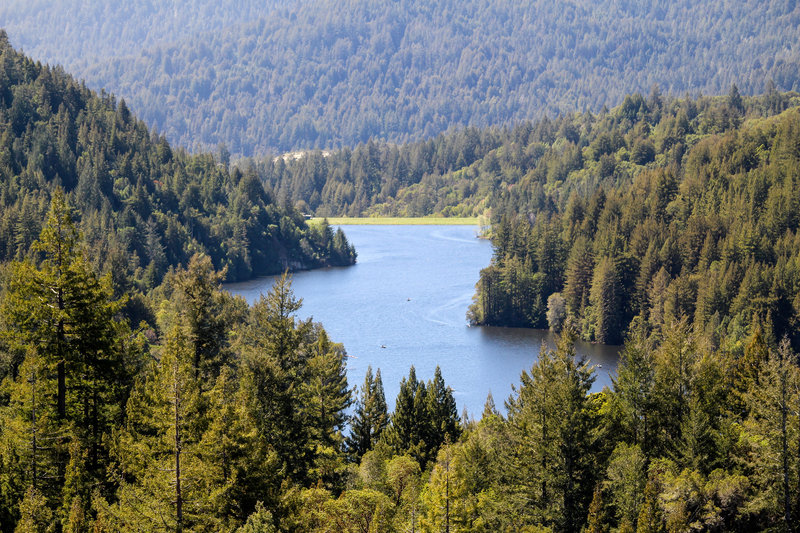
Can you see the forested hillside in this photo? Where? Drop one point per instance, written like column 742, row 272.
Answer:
column 77, row 34
column 652, row 221
column 469, row 171
column 327, row 74
column 142, row 206
column 220, row 417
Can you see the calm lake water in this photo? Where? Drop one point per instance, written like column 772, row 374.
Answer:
column 404, row 303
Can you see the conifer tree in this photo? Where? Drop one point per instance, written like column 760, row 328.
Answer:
column 443, row 412
column 633, row 390
column 275, row 368
column 61, row 316
column 369, row 417
column 774, row 421
column 402, row 432
column 326, row 396
column 158, row 451
column 551, row 423
column 199, row 301
column 604, row 298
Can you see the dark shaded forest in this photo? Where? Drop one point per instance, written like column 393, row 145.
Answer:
column 142, row 207
column 330, row 74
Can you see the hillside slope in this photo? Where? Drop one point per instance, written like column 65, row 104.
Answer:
column 707, row 232
column 142, row 207
column 327, row 74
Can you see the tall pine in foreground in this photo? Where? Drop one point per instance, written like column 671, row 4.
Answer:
column 552, row 423
column 369, row 417
column 64, row 384
column 424, row 418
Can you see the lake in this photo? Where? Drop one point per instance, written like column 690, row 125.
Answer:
column 404, row 303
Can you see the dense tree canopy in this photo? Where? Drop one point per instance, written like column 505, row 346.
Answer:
column 325, row 74
column 705, row 229
column 142, row 207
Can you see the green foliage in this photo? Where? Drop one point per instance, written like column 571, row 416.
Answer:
column 67, row 391
column 551, row 426
column 703, row 231
column 250, row 77
column 233, row 419
column 425, row 417
column 142, row 206
column 258, row 522
column 369, row 417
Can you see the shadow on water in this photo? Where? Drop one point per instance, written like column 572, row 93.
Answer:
column 523, row 344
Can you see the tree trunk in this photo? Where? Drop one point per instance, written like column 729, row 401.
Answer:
column 178, row 495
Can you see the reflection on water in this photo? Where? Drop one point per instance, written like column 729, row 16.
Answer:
column 404, row 303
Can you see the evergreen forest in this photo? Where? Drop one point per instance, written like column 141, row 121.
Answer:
column 143, row 207
column 136, row 394
column 327, row 74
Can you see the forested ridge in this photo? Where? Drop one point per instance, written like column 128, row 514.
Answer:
column 142, row 207
column 331, row 74
column 652, row 221
column 469, row 171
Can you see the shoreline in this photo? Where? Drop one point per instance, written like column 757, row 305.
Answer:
column 398, row 221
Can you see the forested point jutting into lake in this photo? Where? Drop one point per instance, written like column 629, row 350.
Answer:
column 136, row 395
column 143, row 207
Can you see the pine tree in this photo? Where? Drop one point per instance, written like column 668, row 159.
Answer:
column 275, row 369
column 551, row 423
column 651, row 516
column 443, row 412
column 409, row 424
column 63, row 318
column 633, row 390
column 774, row 422
column 604, row 298
column 158, row 452
column 369, row 417
column 326, row 396
column 595, row 522
column 198, row 300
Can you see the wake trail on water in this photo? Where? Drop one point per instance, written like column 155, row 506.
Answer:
column 440, row 235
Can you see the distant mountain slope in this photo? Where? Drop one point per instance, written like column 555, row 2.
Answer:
column 80, row 33
column 325, row 73
column 142, row 207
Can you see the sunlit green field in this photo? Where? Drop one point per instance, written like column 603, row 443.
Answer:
column 401, row 221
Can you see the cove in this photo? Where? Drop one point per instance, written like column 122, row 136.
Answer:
column 404, row 303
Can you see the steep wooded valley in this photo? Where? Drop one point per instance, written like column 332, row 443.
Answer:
column 137, row 394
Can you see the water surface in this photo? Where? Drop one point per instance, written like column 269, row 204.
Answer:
column 404, row 303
